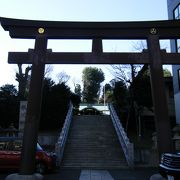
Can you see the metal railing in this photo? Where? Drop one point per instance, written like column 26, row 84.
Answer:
column 59, row 148
column 128, row 148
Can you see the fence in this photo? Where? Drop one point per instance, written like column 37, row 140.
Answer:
column 128, row 148
column 59, row 149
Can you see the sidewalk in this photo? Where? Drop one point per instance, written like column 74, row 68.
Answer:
column 95, row 175
column 86, row 174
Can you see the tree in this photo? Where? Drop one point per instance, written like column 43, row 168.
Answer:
column 125, row 72
column 55, row 104
column 63, row 77
column 167, row 73
column 22, row 79
column 75, row 99
column 9, row 106
column 142, row 88
column 120, row 93
column 77, row 90
column 92, row 78
column 107, row 95
column 116, row 92
column 48, row 70
column 8, row 90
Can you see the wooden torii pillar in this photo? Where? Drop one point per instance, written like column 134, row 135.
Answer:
column 30, row 134
column 41, row 31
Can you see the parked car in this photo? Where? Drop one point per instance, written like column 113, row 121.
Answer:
column 10, row 155
column 170, row 166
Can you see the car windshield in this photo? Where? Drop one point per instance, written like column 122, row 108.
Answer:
column 9, row 143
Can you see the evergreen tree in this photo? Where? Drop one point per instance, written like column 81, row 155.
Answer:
column 92, row 78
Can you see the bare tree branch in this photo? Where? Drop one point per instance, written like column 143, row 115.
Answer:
column 48, row 70
column 139, row 45
column 63, row 77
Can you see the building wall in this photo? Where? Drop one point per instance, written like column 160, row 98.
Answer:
column 172, row 4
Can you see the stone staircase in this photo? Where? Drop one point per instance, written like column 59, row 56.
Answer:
column 93, row 143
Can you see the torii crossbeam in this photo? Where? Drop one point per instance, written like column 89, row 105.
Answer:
column 41, row 31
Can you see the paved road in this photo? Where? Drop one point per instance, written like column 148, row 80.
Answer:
column 136, row 174
column 69, row 174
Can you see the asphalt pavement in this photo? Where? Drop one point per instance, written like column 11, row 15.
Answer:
column 77, row 174
column 124, row 174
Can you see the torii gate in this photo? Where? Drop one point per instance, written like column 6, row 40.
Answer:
column 41, row 31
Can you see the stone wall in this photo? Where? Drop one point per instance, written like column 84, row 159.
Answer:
column 44, row 138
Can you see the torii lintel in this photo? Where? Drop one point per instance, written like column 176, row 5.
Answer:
column 29, row 29
column 91, row 58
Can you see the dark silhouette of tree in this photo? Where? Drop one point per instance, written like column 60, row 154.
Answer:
column 142, row 88
column 126, row 74
column 92, row 78
column 77, row 90
column 22, row 79
column 8, row 90
column 55, row 104
column 76, row 100
column 120, row 93
column 9, row 106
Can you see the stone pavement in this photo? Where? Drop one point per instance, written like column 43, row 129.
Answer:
column 95, row 175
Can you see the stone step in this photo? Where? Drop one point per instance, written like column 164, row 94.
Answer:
column 89, row 132
column 91, row 136
column 87, row 161
column 95, row 165
column 93, row 147
column 88, row 155
column 91, row 157
column 103, row 147
column 99, row 143
column 114, row 155
column 93, row 143
column 97, row 140
column 92, row 151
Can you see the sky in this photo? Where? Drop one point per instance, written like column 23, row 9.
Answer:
column 73, row 10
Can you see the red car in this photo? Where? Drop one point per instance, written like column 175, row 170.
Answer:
column 10, row 155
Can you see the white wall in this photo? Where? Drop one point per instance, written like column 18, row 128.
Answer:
column 177, row 107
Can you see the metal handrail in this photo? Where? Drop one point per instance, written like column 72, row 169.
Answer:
column 59, row 147
column 127, row 146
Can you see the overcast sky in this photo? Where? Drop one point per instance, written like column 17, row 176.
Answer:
column 72, row 10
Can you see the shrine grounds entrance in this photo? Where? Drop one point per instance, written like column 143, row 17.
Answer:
column 41, row 31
